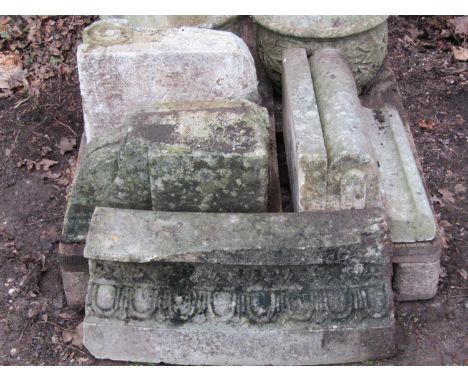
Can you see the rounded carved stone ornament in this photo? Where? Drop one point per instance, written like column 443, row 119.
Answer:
column 106, row 33
column 361, row 39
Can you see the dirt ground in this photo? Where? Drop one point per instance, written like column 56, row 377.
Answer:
column 39, row 140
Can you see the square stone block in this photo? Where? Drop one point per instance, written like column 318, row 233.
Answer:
column 123, row 70
column 205, row 156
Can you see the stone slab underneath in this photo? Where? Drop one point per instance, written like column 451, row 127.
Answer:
column 237, row 347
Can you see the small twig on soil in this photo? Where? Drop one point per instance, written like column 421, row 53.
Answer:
column 22, row 332
column 453, row 206
column 14, row 142
column 65, row 125
column 76, row 349
column 41, row 135
column 454, row 152
column 52, row 323
column 21, row 102
column 33, row 223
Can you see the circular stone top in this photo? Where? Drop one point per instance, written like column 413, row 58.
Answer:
column 105, row 33
column 165, row 22
column 319, row 26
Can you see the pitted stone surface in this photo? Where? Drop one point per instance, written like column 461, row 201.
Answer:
column 416, row 281
column 320, row 27
column 172, row 21
column 216, row 288
column 186, row 156
column 242, row 239
column 123, row 70
column 305, row 147
column 405, row 200
column 206, row 156
column 352, row 175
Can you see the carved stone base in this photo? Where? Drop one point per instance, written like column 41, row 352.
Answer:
column 237, row 347
column 239, row 289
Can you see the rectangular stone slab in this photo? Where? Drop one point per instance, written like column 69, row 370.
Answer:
column 234, row 347
column 352, row 177
column 123, row 70
column 305, row 147
column 232, row 289
column 405, row 199
column 238, row 239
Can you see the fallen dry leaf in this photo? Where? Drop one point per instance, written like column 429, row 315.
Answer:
column 74, row 336
column 445, row 224
column 51, row 175
column 463, row 274
column 66, row 144
column 459, row 121
column 427, row 124
column 460, row 189
column 460, row 53
column 67, row 316
column 45, row 164
column 460, row 25
column 12, row 74
column 446, row 195
column 28, row 163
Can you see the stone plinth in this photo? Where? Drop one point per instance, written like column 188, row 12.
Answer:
column 123, row 70
column 239, row 289
column 413, row 228
column 416, row 252
column 361, row 39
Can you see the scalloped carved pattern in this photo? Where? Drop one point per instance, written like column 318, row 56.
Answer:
column 144, row 302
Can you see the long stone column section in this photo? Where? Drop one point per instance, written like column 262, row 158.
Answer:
column 305, row 147
column 352, row 178
column 330, row 160
column 239, row 289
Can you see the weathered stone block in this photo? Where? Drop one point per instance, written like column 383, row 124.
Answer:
column 75, row 284
column 75, row 274
column 303, row 136
column 110, row 174
column 215, row 288
column 416, row 281
column 186, row 156
column 206, row 156
column 352, row 175
column 123, row 70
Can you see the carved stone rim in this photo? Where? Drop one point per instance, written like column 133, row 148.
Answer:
column 320, row 27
